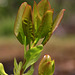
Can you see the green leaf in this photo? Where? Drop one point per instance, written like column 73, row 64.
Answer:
column 18, row 30
column 2, row 71
column 43, row 6
column 27, row 24
column 20, row 65
column 46, row 25
column 32, row 55
column 47, row 38
column 17, row 67
column 30, row 72
column 53, row 66
column 36, row 17
column 58, row 20
column 54, row 26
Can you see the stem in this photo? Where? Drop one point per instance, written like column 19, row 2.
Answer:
column 29, row 45
column 22, row 70
column 35, row 42
column 24, row 47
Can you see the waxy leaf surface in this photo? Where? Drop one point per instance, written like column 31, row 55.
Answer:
column 18, row 30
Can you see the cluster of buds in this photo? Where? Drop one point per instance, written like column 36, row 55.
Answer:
column 33, row 25
column 37, row 23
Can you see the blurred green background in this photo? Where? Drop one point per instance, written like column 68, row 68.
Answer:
column 9, row 8
column 61, row 46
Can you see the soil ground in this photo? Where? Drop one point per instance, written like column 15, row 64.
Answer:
column 62, row 50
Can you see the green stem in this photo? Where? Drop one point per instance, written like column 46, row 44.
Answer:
column 22, row 70
column 35, row 42
column 24, row 47
column 29, row 45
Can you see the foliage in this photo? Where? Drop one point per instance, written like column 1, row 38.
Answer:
column 31, row 26
column 2, row 72
column 6, row 28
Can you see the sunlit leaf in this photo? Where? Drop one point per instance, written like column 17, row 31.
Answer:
column 18, row 30
column 2, row 71
column 43, row 6
column 33, row 55
column 46, row 25
column 27, row 23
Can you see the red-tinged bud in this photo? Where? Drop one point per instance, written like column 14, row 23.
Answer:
column 46, row 66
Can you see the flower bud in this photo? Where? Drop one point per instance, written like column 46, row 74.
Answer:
column 46, row 66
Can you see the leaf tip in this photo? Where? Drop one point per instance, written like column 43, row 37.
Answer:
column 64, row 9
column 58, row 20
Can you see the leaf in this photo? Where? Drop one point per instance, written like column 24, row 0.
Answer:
column 20, row 65
column 18, row 30
column 53, row 66
column 17, row 67
column 27, row 24
column 46, row 38
column 36, row 17
column 30, row 72
column 2, row 71
column 54, row 26
column 32, row 55
column 46, row 25
column 43, row 6
column 58, row 20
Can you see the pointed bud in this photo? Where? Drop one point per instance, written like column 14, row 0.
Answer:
column 46, row 66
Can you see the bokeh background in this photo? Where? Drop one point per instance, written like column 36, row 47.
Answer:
column 61, row 46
